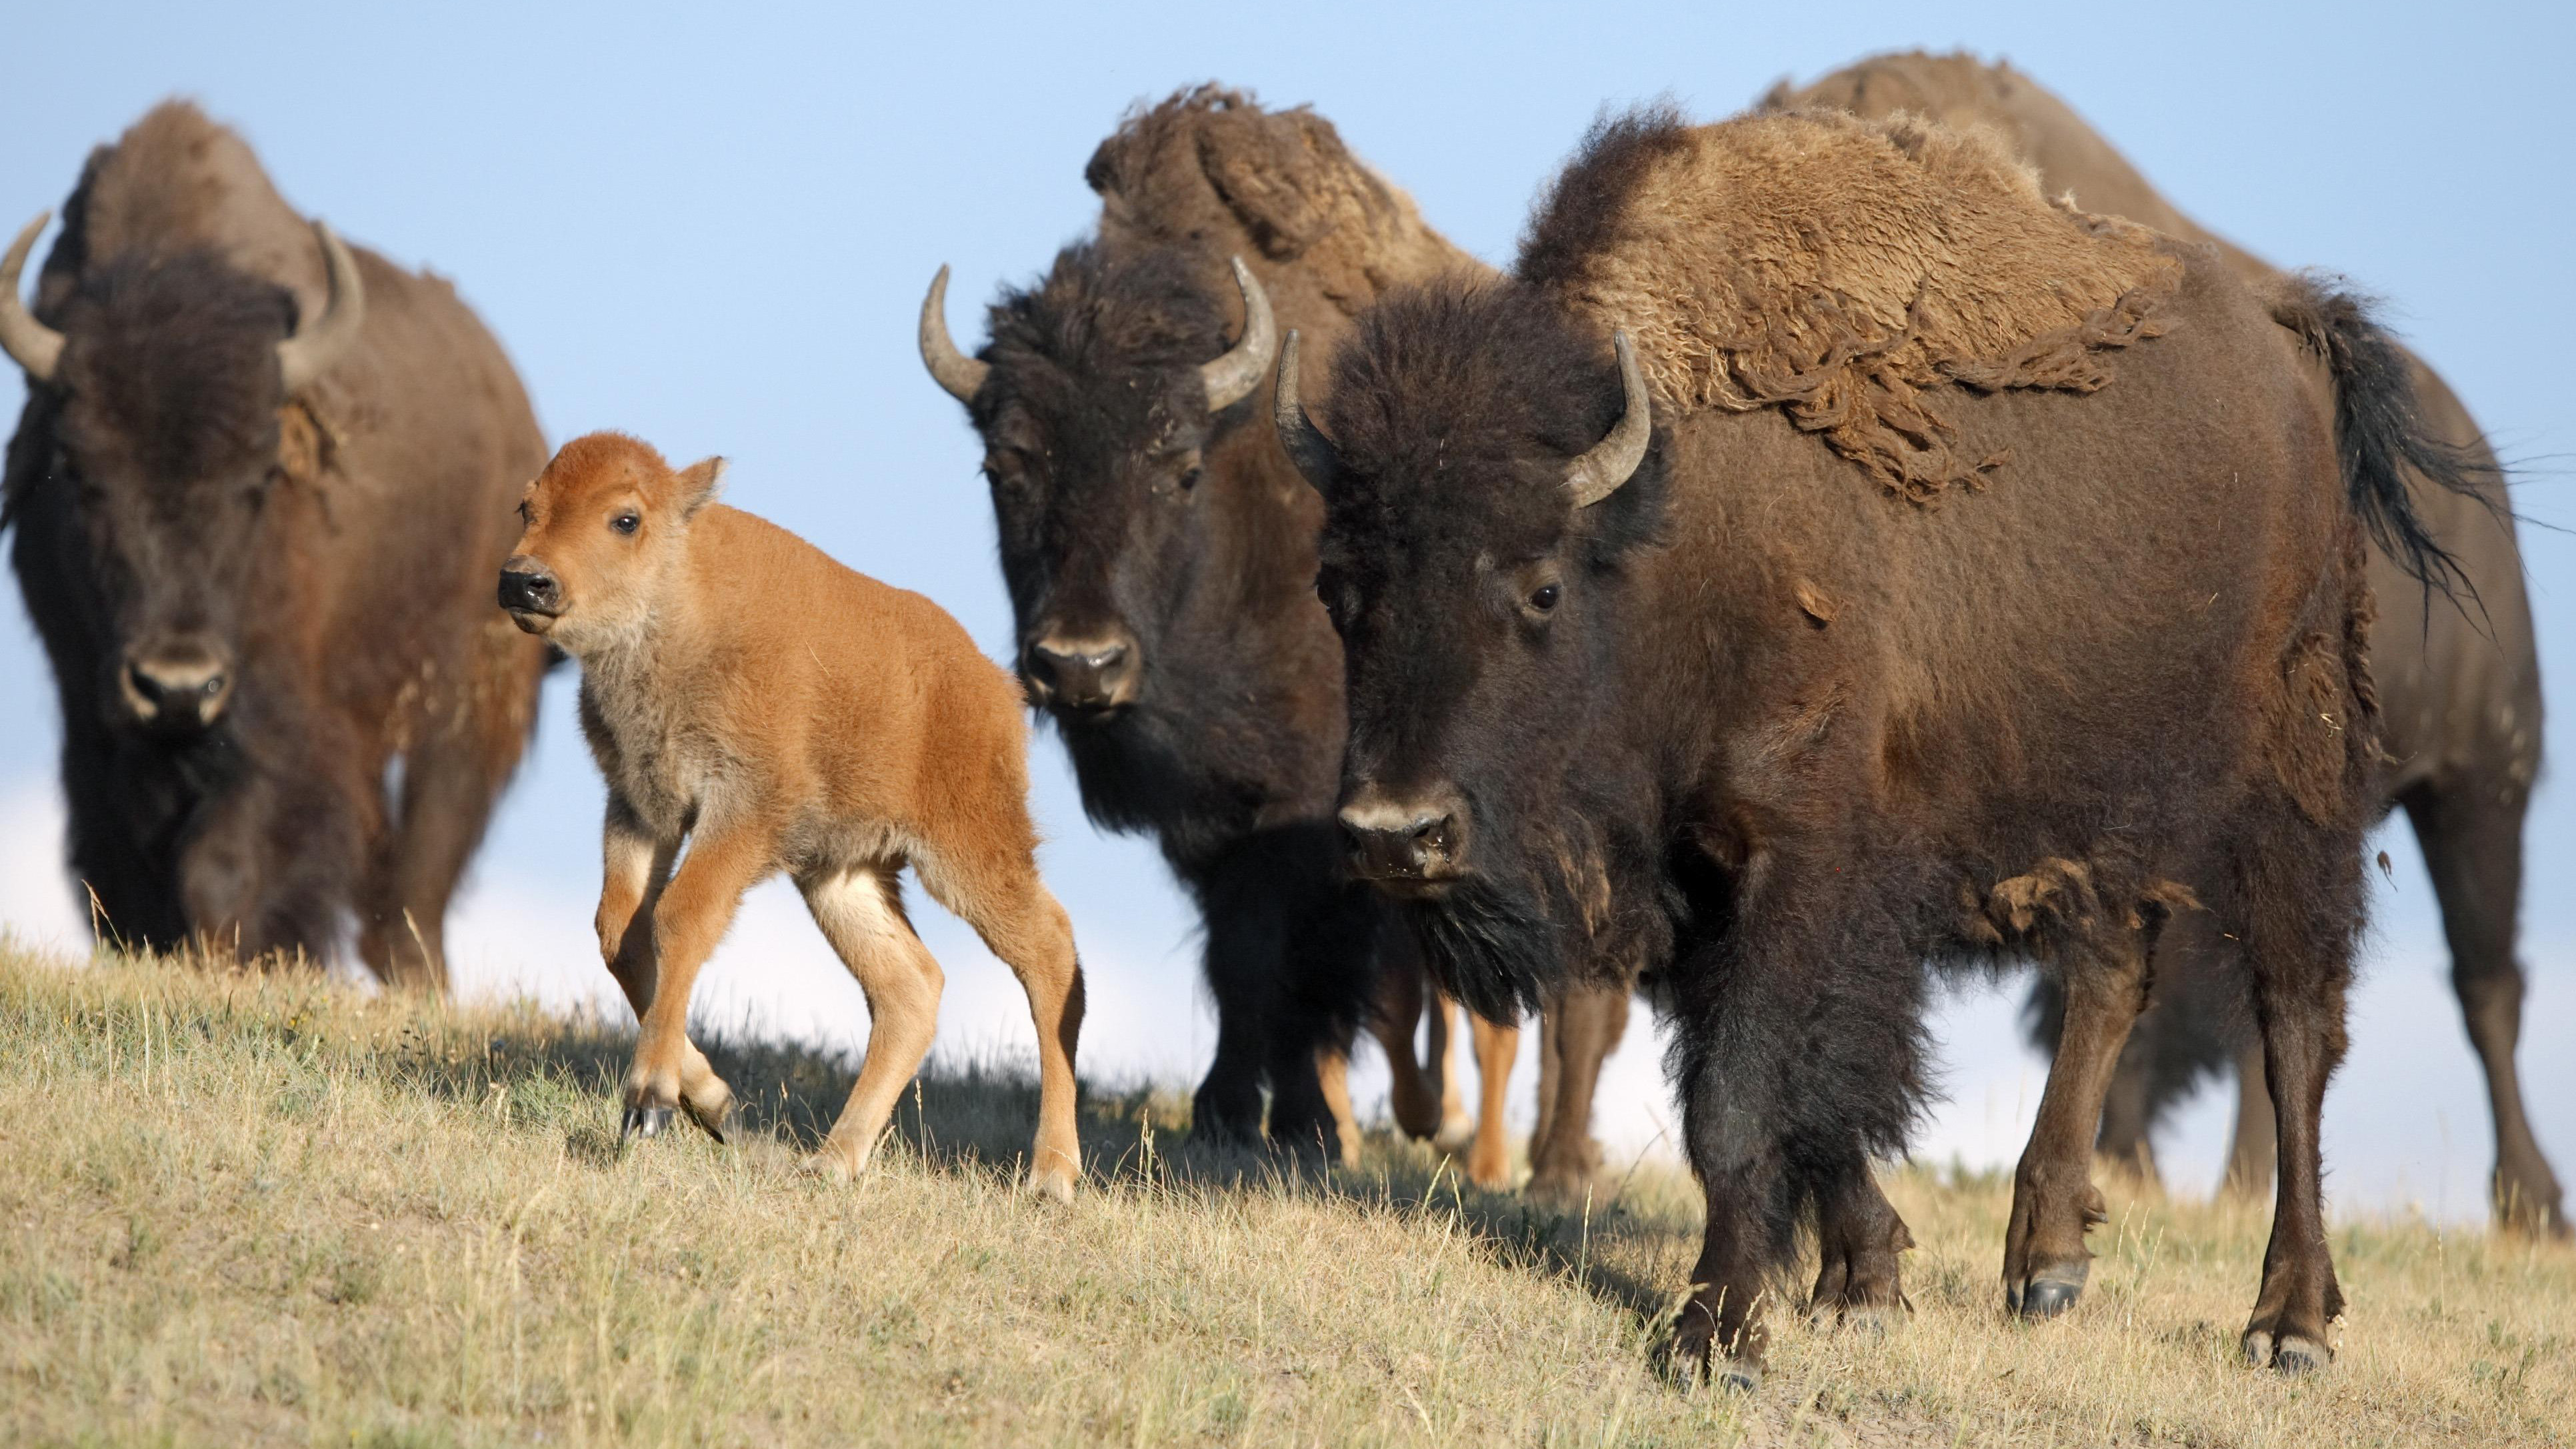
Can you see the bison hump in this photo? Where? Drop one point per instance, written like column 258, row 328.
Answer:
column 1846, row 271
column 1210, row 168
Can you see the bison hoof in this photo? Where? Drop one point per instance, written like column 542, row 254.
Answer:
column 2290, row 1355
column 1054, row 1187
column 2047, row 1292
column 1868, row 1322
column 1737, row 1377
column 643, row 1122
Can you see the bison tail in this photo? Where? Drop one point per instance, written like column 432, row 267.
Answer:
column 2379, row 432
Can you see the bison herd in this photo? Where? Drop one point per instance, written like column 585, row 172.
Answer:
column 1871, row 536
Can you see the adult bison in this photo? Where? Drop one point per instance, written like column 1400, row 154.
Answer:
column 1159, row 552
column 260, row 487
column 1903, row 621
column 2460, row 693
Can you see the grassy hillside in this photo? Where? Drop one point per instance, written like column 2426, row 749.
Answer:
column 235, row 1208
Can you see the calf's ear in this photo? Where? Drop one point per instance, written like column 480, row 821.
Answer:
column 697, row 485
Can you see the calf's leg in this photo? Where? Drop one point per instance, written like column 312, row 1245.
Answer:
column 860, row 911
column 1443, row 1047
column 688, row 919
column 1024, row 925
column 1489, row 1157
column 634, row 869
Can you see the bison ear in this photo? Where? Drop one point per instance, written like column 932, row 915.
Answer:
column 699, row 483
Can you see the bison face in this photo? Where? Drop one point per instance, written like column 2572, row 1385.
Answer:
column 1475, row 565
column 161, row 394
column 1103, row 399
column 604, row 542
column 165, row 455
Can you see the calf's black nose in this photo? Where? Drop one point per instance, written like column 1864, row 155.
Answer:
column 527, row 587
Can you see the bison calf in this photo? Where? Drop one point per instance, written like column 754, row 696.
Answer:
column 773, row 710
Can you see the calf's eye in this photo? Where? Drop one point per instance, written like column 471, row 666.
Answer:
column 1543, row 598
column 626, row 522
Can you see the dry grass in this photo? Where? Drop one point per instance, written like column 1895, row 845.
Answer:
column 243, row 1209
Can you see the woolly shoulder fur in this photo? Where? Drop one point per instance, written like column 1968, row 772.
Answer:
column 1844, row 270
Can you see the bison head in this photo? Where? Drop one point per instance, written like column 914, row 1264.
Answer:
column 605, row 540
column 1099, row 399
column 1489, row 471
column 163, row 389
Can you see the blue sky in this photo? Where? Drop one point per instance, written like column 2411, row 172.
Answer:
column 712, row 226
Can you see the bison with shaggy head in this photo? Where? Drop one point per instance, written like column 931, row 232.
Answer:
column 1159, row 553
column 1937, row 573
column 259, row 487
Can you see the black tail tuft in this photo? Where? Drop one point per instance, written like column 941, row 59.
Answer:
column 2380, row 434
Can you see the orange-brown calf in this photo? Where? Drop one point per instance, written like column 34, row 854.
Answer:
column 774, row 711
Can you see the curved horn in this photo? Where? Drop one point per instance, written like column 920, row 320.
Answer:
column 1231, row 378
column 1598, row 473
column 30, row 343
column 313, row 350
column 960, row 375
column 1316, row 459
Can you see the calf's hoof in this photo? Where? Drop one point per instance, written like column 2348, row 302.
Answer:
column 2047, row 1292
column 718, row 1121
column 642, row 1122
column 828, row 1165
column 1052, row 1186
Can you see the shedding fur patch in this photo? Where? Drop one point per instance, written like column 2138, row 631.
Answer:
column 2311, row 719
column 1845, row 271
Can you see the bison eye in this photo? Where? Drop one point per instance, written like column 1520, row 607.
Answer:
column 1190, row 479
column 627, row 522
column 1543, row 598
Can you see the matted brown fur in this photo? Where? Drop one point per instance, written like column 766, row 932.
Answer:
column 1210, row 170
column 1846, row 271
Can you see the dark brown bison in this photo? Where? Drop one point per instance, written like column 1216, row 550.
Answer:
column 1159, row 551
column 1972, row 574
column 2459, row 691
column 260, row 488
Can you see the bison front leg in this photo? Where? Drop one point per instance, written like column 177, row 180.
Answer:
column 2054, row 1200
column 1800, row 1043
